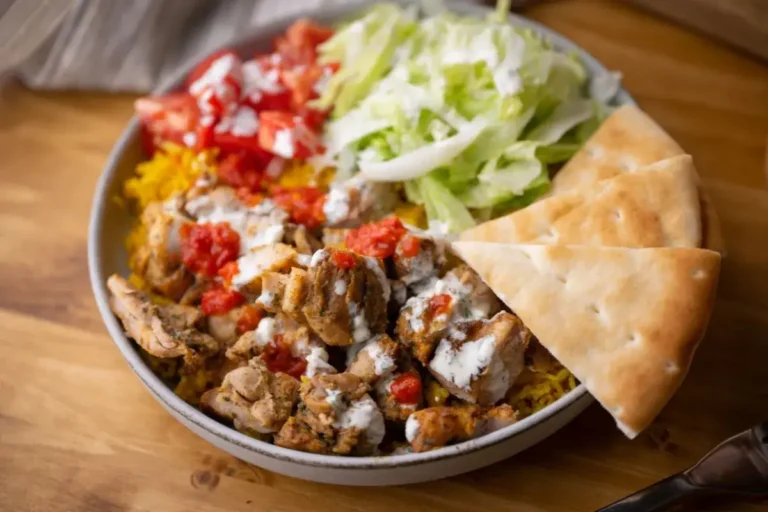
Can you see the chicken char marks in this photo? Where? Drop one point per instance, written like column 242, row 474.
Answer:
column 347, row 297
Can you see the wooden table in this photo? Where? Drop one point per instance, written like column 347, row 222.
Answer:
column 78, row 432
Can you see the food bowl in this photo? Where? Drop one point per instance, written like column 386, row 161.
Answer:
column 109, row 225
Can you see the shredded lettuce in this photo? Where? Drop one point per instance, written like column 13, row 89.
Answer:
column 468, row 113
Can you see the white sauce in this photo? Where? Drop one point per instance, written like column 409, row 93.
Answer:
column 461, row 366
column 418, row 306
column 364, row 415
column 256, row 80
column 317, row 362
column 340, row 287
column 266, row 331
column 303, row 259
column 189, row 139
column 411, row 428
column 243, row 123
column 336, row 207
column 400, row 291
column 267, row 236
column 266, row 298
column 212, row 82
column 421, row 267
column 319, row 257
column 249, row 267
column 360, row 330
column 382, row 363
column 284, row 143
column 373, row 265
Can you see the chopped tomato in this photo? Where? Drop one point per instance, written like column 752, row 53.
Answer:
column 343, row 259
column 203, row 66
column 377, row 239
column 206, row 248
column 313, row 118
column 241, row 171
column 307, row 33
column 279, row 358
column 218, row 83
column 287, row 135
column 166, row 118
column 219, row 301
column 440, row 304
column 303, row 204
column 249, row 318
column 409, row 246
column 228, row 272
column 406, row 388
column 262, row 84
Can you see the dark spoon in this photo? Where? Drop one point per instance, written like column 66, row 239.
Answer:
column 738, row 466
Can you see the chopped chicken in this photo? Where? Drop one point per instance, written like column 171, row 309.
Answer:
column 539, row 360
column 265, row 258
column 434, row 427
column 497, row 418
column 335, row 238
column 272, row 291
column 255, row 399
column 159, row 260
column 298, row 236
column 163, row 331
column 393, row 409
column 338, row 410
column 223, row 328
column 459, row 295
column 479, row 360
column 376, row 358
column 420, row 264
column 346, row 305
column 356, row 201
column 295, row 296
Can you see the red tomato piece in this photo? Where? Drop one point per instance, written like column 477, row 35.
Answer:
column 313, row 118
column 249, row 319
column 228, row 272
column 206, row 248
column 286, row 135
column 306, row 33
column 217, row 83
column 440, row 304
column 166, row 118
column 279, row 358
column 409, row 246
column 343, row 259
column 241, row 171
column 303, row 204
column 406, row 388
column 219, row 301
column 263, row 88
column 377, row 239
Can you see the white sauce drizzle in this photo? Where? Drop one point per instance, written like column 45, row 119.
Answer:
column 463, row 364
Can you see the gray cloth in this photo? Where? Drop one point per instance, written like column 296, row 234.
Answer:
column 126, row 45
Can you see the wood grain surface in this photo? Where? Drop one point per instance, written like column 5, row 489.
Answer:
column 79, row 433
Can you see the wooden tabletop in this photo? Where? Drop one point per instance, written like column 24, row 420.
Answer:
column 79, row 433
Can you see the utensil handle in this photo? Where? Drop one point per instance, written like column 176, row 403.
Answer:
column 656, row 498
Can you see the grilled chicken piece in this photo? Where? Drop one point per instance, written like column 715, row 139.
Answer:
column 298, row 236
column 424, row 319
column 393, row 409
column 479, row 360
column 414, row 266
column 223, row 328
column 272, row 291
column 335, row 238
column 159, row 261
column 256, row 262
column 337, row 409
column 497, row 418
column 375, row 358
column 346, row 305
column 434, row 427
column 255, row 399
column 163, row 331
column 296, row 289
column 356, row 201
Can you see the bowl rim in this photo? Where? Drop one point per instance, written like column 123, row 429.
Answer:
column 193, row 415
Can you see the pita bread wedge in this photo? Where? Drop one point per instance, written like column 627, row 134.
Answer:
column 655, row 208
column 625, row 322
column 627, row 141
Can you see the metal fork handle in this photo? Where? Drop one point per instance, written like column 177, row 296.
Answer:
column 658, row 497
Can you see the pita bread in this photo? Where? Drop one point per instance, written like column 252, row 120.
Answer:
column 658, row 207
column 628, row 141
column 625, row 322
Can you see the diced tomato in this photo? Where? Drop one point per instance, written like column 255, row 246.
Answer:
column 406, row 388
column 279, row 358
column 241, row 171
column 306, row 33
column 206, row 248
column 219, row 301
column 203, row 66
column 377, row 239
column 263, row 88
column 249, row 318
column 343, row 260
column 217, row 83
column 440, row 304
column 228, row 272
column 313, row 118
column 409, row 246
column 166, row 118
column 286, row 135
column 303, row 204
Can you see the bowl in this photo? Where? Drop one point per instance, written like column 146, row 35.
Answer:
column 109, row 224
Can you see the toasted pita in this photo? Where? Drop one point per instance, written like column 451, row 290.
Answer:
column 658, row 207
column 628, row 141
column 625, row 322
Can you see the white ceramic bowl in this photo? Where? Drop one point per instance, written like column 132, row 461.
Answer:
column 106, row 255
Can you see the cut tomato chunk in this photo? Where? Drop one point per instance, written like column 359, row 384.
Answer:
column 304, row 204
column 166, row 118
column 306, row 33
column 218, row 83
column 286, row 135
column 219, row 301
